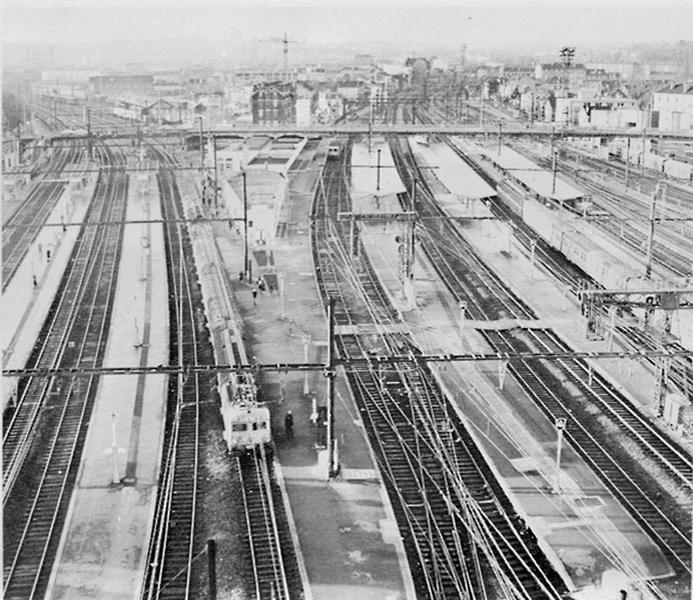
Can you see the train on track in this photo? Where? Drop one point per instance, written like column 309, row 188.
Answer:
column 574, row 239
column 246, row 422
column 667, row 165
column 334, row 151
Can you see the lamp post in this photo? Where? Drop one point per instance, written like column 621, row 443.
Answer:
column 560, row 424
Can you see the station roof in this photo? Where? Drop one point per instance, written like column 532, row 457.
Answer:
column 452, row 171
column 364, row 171
column 532, row 175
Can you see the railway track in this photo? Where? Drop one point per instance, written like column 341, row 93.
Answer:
column 548, row 387
column 673, row 257
column 178, row 537
column 669, row 526
column 175, row 542
column 44, row 436
column 271, row 554
column 462, row 536
column 487, row 297
column 574, row 278
column 21, row 229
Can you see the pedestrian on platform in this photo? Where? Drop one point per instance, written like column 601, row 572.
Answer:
column 289, row 426
column 48, row 255
column 254, row 296
column 240, row 276
column 34, row 279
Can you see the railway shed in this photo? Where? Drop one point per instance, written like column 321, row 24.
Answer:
column 531, row 177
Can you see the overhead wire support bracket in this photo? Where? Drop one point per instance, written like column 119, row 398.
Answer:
column 371, row 360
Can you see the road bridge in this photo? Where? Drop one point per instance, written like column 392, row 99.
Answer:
column 378, row 129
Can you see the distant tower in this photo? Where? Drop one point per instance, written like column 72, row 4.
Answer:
column 463, row 55
column 567, row 54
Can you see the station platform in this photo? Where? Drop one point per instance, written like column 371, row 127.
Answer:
column 459, row 178
column 103, row 547
column 364, row 170
column 25, row 305
column 584, row 531
column 530, row 174
column 349, row 543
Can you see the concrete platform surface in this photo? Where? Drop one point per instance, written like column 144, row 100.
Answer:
column 584, row 531
column 458, row 177
column 25, row 306
column 345, row 528
column 104, row 542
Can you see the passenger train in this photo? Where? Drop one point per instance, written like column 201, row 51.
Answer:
column 246, row 422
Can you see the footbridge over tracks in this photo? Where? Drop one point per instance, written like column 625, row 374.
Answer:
column 356, row 128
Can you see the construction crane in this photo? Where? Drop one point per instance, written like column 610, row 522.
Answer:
column 285, row 41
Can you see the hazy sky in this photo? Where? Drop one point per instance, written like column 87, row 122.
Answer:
column 581, row 22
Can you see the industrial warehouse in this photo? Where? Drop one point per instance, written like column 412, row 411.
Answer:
column 389, row 318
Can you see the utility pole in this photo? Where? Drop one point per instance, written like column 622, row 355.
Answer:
column 642, row 162
column 481, row 106
column 202, row 146
column 554, row 161
column 87, row 115
column 246, row 263
column 500, row 137
column 214, row 159
column 651, row 231
column 332, row 468
column 627, row 160
column 377, row 180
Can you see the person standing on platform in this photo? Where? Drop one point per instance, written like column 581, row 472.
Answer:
column 254, row 292
column 289, row 426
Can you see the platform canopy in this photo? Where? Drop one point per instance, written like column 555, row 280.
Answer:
column 456, row 175
column 537, row 179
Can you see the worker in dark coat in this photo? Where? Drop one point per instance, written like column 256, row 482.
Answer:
column 289, row 426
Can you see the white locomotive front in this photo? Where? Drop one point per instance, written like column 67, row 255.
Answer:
column 246, row 423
